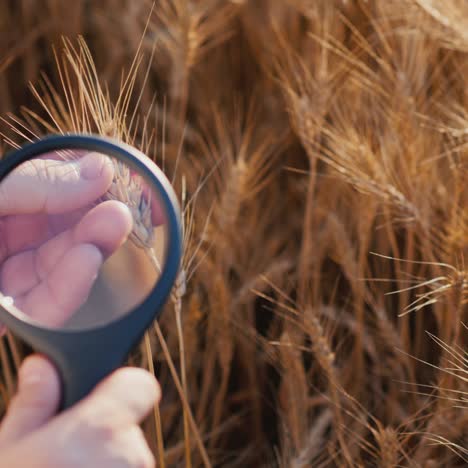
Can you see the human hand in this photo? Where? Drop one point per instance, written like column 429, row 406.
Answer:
column 54, row 237
column 100, row 431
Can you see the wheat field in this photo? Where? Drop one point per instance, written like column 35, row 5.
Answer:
column 320, row 152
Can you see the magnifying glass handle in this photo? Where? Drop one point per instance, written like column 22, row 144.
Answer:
column 79, row 381
column 81, row 367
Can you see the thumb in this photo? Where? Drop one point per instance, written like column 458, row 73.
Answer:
column 55, row 186
column 36, row 401
column 123, row 398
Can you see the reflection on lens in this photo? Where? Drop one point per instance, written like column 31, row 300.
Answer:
column 83, row 238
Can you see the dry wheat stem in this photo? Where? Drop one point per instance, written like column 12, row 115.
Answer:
column 183, row 399
column 157, row 415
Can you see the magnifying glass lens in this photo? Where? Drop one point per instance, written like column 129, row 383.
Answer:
column 83, row 239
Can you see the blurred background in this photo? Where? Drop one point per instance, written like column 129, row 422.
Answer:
column 320, row 152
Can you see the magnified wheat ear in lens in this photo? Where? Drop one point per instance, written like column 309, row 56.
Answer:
column 128, row 189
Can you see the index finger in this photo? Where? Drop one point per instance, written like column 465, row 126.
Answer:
column 55, row 186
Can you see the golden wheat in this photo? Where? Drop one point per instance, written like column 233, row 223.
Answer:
column 320, row 152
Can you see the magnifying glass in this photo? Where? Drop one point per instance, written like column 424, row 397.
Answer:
column 90, row 247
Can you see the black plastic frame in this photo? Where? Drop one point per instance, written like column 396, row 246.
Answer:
column 85, row 357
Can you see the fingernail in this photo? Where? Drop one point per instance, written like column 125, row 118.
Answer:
column 91, row 166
